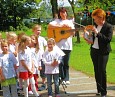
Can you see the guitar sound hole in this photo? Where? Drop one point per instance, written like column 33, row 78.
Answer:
column 62, row 32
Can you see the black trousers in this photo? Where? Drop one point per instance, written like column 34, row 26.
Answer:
column 100, row 63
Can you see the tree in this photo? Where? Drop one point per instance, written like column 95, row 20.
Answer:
column 12, row 12
column 54, row 7
column 72, row 3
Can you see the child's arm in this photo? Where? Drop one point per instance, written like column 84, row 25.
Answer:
column 15, row 67
column 33, row 66
column 16, row 50
column 2, row 78
column 25, row 66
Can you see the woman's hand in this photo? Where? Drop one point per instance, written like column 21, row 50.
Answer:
column 91, row 28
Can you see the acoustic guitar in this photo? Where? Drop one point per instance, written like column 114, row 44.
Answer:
column 60, row 33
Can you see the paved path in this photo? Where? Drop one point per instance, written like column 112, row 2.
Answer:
column 81, row 86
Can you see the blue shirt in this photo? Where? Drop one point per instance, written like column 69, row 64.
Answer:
column 7, row 62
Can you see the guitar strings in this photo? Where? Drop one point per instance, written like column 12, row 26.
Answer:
column 78, row 24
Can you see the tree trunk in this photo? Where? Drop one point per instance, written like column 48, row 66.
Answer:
column 77, row 32
column 54, row 7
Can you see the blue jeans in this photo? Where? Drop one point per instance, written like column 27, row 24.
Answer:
column 42, row 72
column 10, row 91
column 56, row 83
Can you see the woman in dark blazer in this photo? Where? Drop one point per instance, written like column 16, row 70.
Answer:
column 100, row 49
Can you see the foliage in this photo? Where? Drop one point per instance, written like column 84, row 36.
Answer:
column 13, row 12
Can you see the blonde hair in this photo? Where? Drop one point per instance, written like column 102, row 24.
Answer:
column 51, row 40
column 4, row 41
column 11, row 35
column 37, row 43
column 99, row 13
column 22, row 44
column 19, row 36
column 36, row 26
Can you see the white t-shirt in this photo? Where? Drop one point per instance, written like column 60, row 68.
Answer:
column 48, row 58
column 42, row 43
column 26, row 56
column 64, row 44
column 12, row 48
column 36, row 57
column 7, row 62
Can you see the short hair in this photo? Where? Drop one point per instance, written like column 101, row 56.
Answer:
column 51, row 40
column 4, row 41
column 11, row 35
column 99, row 13
column 36, row 26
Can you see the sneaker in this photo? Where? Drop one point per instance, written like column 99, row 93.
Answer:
column 49, row 96
column 98, row 93
column 43, row 87
column 63, row 82
column 40, row 96
column 103, row 96
column 30, row 92
column 67, row 82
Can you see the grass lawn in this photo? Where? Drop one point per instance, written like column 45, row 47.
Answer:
column 80, row 59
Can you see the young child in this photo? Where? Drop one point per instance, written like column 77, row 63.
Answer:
column 52, row 59
column 26, row 67
column 12, row 41
column 8, row 67
column 13, row 48
column 20, row 84
column 36, row 57
column 42, row 44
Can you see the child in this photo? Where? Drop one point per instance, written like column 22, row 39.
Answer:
column 42, row 44
column 26, row 67
column 8, row 66
column 52, row 59
column 20, row 80
column 36, row 57
column 12, row 41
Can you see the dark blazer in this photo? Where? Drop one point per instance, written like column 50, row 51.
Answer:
column 104, row 38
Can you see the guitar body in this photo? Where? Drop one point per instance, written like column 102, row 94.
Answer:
column 88, row 38
column 58, row 33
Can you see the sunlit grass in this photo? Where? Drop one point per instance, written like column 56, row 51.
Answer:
column 80, row 59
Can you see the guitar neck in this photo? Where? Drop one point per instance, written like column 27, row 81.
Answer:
column 72, row 30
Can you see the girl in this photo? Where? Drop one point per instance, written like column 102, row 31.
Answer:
column 26, row 67
column 42, row 44
column 51, row 59
column 36, row 57
column 8, row 67
column 12, row 41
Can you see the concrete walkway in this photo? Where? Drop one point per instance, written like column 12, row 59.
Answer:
column 81, row 86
